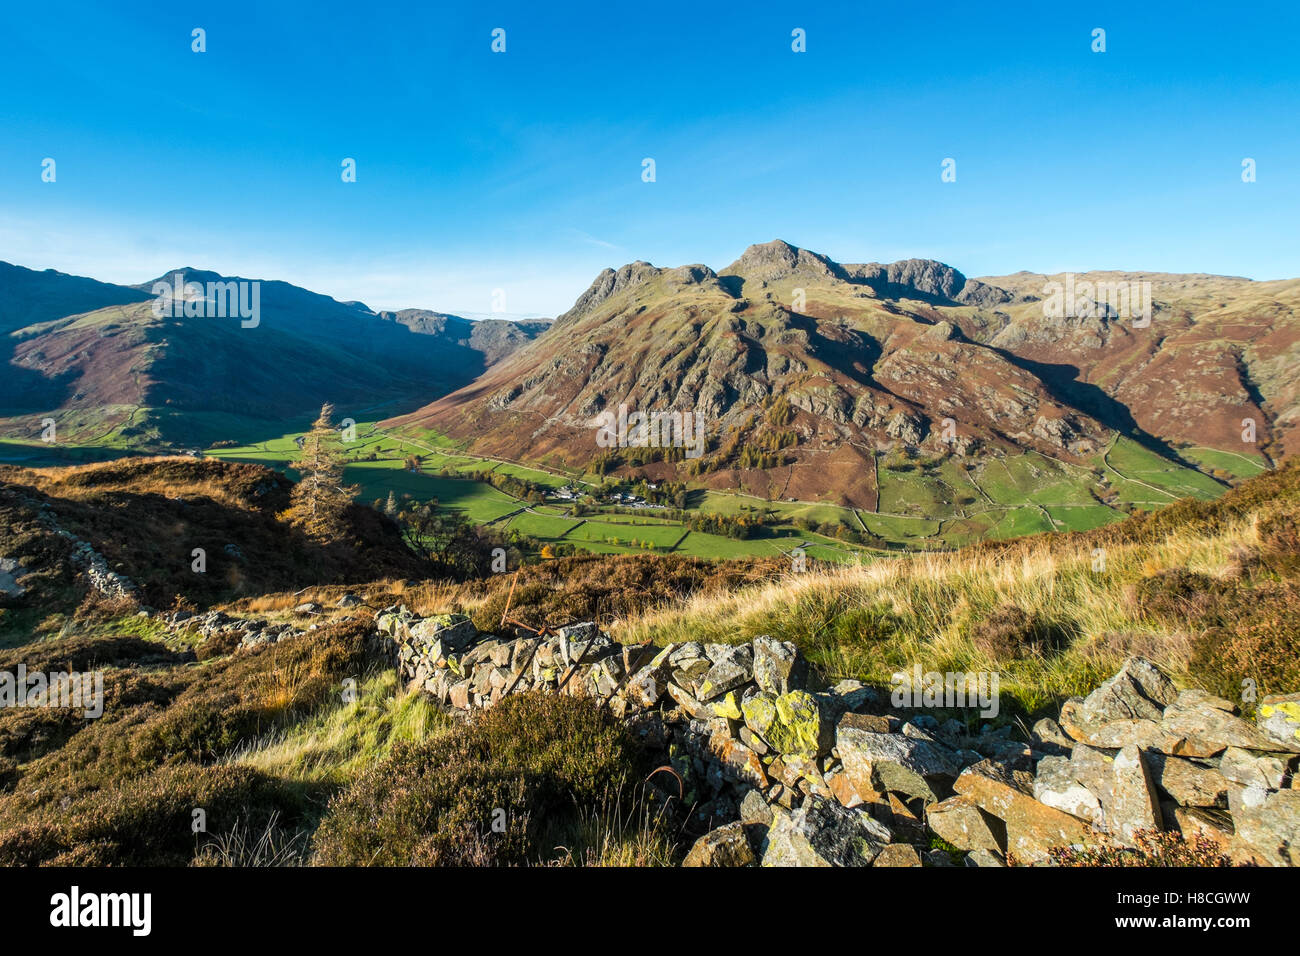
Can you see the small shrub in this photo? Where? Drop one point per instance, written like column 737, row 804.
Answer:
column 1010, row 632
column 542, row 758
column 148, row 820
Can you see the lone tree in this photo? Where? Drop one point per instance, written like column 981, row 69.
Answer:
column 320, row 500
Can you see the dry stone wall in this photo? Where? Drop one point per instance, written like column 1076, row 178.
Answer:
column 786, row 774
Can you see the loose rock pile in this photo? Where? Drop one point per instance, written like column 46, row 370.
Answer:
column 803, row 777
column 249, row 631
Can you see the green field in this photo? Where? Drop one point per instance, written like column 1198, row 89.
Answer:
column 924, row 503
column 1238, row 465
column 1147, row 478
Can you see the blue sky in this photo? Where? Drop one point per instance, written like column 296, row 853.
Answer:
column 522, row 171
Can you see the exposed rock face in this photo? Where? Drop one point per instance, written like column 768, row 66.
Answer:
column 925, row 278
column 786, row 775
column 771, row 261
column 610, row 283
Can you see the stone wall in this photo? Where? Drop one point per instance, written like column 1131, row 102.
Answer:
column 783, row 773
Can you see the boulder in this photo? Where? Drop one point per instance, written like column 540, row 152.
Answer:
column 459, row 695
column 732, row 668
column 1132, row 803
column 649, row 683
column 821, row 833
column 1033, row 828
column 855, row 694
column 1138, row 691
column 1278, row 719
column 1124, row 787
column 1055, row 786
column 1265, row 771
column 876, row 723
column 897, row 854
column 583, row 642
column 959, row 821
column 754, row 809
column 738, row 764
column 10, row 572
column 455, row 631
column 1048, row 736
column 914, row 768
column 897, row 816
column 1198, row 725
column 692, row 707
column 778, row 666
column 1189, row 782
column 844, row 792
column 726, row 846
column 728, row 707
column 797, row 727
column 1268, row 821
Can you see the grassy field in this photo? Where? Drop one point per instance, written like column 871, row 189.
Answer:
column 924, row 504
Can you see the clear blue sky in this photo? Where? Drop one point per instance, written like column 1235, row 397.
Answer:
column 522, row 171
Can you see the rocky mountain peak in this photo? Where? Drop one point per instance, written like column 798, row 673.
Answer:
column 778, row 259
column 925, row 279
column 610, row 283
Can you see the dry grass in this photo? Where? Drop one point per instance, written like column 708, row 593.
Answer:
column 339, row 742
column 866, row 622
column 245, row 846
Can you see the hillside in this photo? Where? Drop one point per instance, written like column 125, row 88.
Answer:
column 98, row 360
column 291, row 772
column 872, row 358
column 128, row 529
column 1223, row 349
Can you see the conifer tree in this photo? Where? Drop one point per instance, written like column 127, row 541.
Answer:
column 320, row 500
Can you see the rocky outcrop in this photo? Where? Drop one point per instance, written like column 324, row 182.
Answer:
column 11, row 575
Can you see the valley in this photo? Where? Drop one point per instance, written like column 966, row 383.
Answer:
column 848, row 411
column 930, row 505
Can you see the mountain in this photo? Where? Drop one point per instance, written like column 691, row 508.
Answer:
column 872, row 356
column 28, row 297
column 1219, row 349
column 99, row 360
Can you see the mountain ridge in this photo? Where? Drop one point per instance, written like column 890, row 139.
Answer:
column 96, row 358
column 874, row 356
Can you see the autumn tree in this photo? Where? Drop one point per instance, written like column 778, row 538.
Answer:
column 320, row 501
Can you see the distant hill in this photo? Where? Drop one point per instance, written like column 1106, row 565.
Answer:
column 97, row 359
